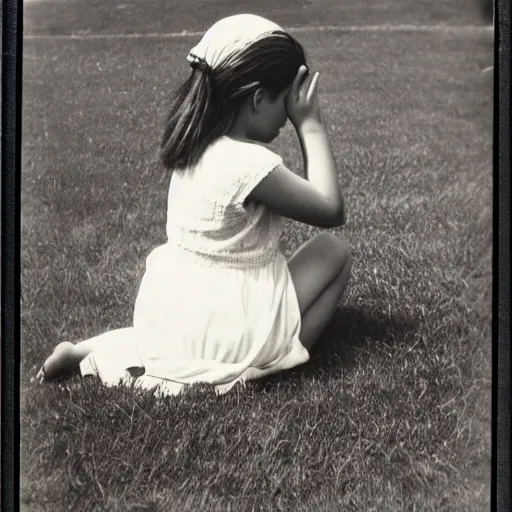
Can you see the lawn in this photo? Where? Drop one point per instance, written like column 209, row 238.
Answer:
column 57, row 17
column 393, row 411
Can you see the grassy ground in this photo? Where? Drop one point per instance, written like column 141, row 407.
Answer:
column 393, row 411
column 133, row 16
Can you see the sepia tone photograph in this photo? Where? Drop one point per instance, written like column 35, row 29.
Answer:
column 256, row 255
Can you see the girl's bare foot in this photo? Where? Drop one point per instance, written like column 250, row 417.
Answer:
column 62, row 361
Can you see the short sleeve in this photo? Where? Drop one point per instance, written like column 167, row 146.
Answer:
column 255, row 163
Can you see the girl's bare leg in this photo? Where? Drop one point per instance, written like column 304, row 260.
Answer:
column 67, row 356
column 320, row 271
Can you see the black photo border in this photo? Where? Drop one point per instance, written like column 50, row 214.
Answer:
column 502, row 361
column 12, row 55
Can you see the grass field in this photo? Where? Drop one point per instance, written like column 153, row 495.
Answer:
column 393, row 411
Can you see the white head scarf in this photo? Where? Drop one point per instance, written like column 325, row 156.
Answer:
column 229, row 35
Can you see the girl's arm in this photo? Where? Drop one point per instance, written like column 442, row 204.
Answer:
column 319, row 164
column 316, row 200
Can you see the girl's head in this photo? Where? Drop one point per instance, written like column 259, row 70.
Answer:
column 241, row 72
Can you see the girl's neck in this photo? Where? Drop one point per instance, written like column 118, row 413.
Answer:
column 238, row 132
column 240, row 128
column 239, row 138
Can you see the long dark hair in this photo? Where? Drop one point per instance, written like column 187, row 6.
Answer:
column 205, row 105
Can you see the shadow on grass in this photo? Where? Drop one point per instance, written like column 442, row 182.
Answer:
column 352, row 333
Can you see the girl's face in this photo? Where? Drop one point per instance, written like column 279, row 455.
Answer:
column 270, row 118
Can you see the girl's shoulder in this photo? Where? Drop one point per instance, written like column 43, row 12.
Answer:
column 232, row 168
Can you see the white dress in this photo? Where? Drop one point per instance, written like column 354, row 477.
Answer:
column 216, row 303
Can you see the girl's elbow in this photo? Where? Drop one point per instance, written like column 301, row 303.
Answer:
column 339, row 217
column 338, row 223
column 335, row 219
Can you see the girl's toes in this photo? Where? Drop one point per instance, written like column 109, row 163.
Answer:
column 40, row 377
column 61, row 362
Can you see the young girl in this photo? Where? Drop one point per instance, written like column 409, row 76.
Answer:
column 218, row 302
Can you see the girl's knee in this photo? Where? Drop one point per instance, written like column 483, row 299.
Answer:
column 335, row 249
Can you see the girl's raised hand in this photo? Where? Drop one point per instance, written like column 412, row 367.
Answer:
column 302, row 100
